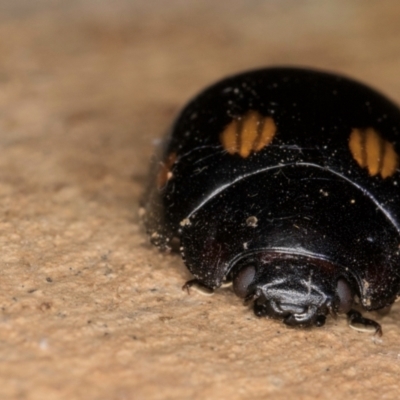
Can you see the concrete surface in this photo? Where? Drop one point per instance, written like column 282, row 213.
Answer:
column 89, row 310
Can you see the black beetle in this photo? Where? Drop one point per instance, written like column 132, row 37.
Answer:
column 284, row 181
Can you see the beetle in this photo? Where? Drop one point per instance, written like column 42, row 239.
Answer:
column 285, row 183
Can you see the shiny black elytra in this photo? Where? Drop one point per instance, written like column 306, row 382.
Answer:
column 284, row 182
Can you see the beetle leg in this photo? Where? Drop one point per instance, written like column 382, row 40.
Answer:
column 198, row 287
column 250, row 298
column 361, row 324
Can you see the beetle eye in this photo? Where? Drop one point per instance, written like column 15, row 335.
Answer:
column 345, row 296
column 243, row 280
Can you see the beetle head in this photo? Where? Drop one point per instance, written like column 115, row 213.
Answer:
column 298, row 290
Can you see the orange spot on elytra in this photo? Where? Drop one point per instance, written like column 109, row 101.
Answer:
column 390, row 160
column 373, row 152
column 249, row 133
column 164, row 173
column 228, row 137
column 267, row 134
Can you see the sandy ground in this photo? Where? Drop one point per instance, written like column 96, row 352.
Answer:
column 89, row 310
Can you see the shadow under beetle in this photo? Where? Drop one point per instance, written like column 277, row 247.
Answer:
column 285, row 182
